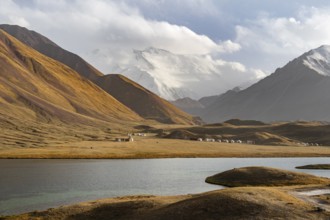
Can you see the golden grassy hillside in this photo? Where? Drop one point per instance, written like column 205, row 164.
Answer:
column 264, row 176
column 45, row 46
column 33, row 86
column 137, row 98
column 142, row 101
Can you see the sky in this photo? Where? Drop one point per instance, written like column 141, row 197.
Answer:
column 261, row 35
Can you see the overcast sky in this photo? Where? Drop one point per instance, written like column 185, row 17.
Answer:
column 259, row 34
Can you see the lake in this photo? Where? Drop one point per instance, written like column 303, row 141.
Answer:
column 28, row 184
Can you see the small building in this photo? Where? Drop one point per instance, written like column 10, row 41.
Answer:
column 209, row 139
column 129, row 139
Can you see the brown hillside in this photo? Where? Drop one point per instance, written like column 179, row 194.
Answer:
column 142, row 101
column 52, row 50
column 33, row 86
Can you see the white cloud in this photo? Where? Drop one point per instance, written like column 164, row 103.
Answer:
column 176, row 76
column 105, row 32
column 228, row 47
column 275, row 41
column 19, row 21
column 113, row 28
column 258, row 74
column 194, row 7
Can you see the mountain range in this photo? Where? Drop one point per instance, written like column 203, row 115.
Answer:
column 141, row 100
column 42, row 81
column 300, row 90
column 173, row 76
column 197, row 107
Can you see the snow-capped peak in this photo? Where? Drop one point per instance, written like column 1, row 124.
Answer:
column 319, row 60
column 174, row 76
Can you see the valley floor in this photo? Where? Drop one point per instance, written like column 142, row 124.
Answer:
column 153, row 147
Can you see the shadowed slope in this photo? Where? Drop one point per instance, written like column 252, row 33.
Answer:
column 142, row 101
column 189, row 105
column 296, row 91
column 33, row 86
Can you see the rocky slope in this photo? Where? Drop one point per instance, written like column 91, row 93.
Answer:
column 298, row 91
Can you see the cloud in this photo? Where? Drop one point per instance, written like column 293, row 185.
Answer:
column 229, row 47
column 109, row 29
column 176, row 76
column 276, row 40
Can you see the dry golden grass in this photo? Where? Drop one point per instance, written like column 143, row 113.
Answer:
column 37, row 87
column 235, row 203
column 284, row 133
column 152, row 147
column 264, row 176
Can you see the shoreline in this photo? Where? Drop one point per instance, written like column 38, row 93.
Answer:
column 137, row 205
column 283, row 195
column 154, row 148
column 155, row 157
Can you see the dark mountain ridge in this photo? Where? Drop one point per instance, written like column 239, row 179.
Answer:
column 298, row 91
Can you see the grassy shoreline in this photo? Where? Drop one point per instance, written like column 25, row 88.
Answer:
column 280, row 201
column 149, row 148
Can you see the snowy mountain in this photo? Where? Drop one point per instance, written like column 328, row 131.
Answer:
column 174, row 76
column 318, row 60
column 298, row 91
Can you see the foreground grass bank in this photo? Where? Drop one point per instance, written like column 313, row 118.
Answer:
column 243, row 202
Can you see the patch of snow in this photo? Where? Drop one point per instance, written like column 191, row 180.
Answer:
column 319, row 60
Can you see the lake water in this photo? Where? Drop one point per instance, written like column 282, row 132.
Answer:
column 28, row 185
